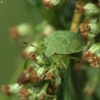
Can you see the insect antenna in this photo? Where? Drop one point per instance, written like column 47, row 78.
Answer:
column 31, row 45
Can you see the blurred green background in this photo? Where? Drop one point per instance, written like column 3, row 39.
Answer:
column 12, row 13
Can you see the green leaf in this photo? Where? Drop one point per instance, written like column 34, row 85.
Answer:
column 63, row 42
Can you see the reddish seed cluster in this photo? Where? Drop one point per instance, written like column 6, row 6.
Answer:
column 14, row 33
column 79, row 7
column 34, row 77
column 24, row 54
column 6, row 90
column 92, row 59
column 23, row 78
column 84, row 29
column 49, row 76
column 27, row 76
column 30, row 69
column 24, row 94
column 32, row 56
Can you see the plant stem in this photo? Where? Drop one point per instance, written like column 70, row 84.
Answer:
column 45, row 87
column 76, row 19
column 52, row 96
column 74, row 58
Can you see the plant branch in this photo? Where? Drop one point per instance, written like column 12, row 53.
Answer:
column 76, row 19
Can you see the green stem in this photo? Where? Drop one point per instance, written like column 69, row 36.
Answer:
column 89, row 43
column 52, row 96
column 76, row 19
column 45, row 87
column 74, row 58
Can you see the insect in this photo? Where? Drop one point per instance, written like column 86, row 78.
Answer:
column 30, row 45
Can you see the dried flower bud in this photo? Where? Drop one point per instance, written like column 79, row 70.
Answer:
column 84, row 29
column 29, row 49
column 24, row 94
column 48, row 4
column 91, row 10
column 30, row 69
column 79, row 7
column 14, row 33
column 89, row 30
column 6, row 90
column 32, row 56
column 38, row 74
column 23, row 78
column 52, row 73
column 34, row 77
column 11, row 89
column 49, row 76
column 92, row 59
column 21, row 30
column 24, row 54
column 93, row 55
